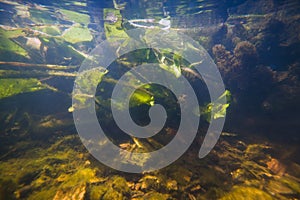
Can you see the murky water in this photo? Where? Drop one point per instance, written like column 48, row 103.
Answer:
column 255, row 45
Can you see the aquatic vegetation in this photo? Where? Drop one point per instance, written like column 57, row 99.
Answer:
column 218, row 109
column 51, row 30
column 42, row 159
column 245, row 54
column 10, row 87
column 114, row 31
column 240, row 192
column 140, row 97
column 8, row 47
column 41, row 16
column 76, row 34
column 87, row 82
column 75, row 16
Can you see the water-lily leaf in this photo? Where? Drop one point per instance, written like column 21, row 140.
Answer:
column 77, row 34
column 75, row 16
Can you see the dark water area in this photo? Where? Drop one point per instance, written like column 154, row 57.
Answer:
column 255, row 45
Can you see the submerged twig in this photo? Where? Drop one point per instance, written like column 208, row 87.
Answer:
column 46, row 66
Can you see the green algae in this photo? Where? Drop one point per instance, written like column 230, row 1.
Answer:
column 97, row 192
column 117, row 189
column 77, row 34
column 250, row 193
column 155, row 196
column 10, row 87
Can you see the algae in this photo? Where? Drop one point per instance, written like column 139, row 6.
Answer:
column 10, row 87
column 241, row 192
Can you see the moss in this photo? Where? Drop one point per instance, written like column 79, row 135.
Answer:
column 116, row 188
column 155, row 196
column 83, row 175
column 77, row 34
column 120, row 184
column 97, row 192
column 75, row 16
column 10, row 87
column 250, row 193
column 48, row 193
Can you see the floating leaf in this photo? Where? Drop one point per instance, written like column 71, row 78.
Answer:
column 77, row 34
column 50, row 30
column 41, row 17
column 75, row 16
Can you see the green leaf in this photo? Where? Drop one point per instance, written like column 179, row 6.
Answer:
column 173, row 69
column 217, row 108
column 140, row 97
column 77, row 34
column 75, row 16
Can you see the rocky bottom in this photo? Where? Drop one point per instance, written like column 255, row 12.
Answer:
column 233, row 170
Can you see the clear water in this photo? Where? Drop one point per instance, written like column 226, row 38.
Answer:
column 255, row 45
